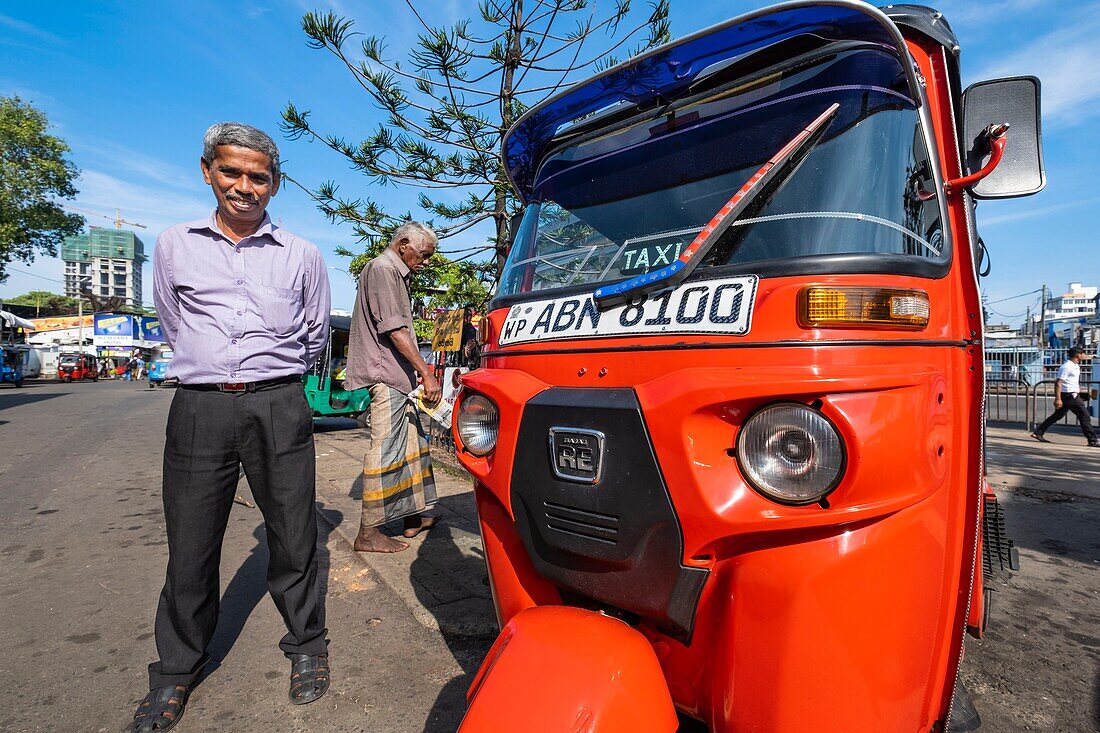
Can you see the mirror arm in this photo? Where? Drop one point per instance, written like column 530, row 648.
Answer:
column 996, row 136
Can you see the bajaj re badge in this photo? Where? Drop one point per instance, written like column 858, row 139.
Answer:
column 576, row 454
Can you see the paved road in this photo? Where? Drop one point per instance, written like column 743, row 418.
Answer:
column 83, row 556
column 82, row 544
column 1038, row 669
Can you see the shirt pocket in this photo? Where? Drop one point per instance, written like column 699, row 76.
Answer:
column 281, row 308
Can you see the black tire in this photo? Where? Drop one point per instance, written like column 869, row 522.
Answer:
column 19, row 383
column 363, row 418
column 68, row 380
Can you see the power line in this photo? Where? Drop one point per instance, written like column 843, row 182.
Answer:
column 1012, row 297
column 40, row 277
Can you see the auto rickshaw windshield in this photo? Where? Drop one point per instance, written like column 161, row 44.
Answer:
column 624, row 199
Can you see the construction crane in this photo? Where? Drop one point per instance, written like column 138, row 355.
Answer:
column 117, row 218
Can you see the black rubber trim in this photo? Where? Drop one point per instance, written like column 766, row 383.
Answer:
column 681, row 346
column 927, row 21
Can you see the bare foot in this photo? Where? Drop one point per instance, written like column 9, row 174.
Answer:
column 419, row 523
column 371, row 539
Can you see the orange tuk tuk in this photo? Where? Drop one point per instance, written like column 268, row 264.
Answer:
column 727, row 433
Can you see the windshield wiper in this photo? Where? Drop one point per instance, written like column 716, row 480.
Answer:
column 769, row 175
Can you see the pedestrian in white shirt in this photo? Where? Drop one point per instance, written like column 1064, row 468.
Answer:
column 1067, row 388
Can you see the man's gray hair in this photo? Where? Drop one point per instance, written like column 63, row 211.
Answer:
column 406, row 230
column 242, row 136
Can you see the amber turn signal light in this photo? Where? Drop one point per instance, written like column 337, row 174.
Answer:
column 847, row 307
column 483, row 332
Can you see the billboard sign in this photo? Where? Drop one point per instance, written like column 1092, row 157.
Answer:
column 112, row 329
column 59, row 323
column 150, row 331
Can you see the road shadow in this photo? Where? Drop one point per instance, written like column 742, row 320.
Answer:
column 249, row 586
column 1049, row 494
column 14, row 398
column 440, row 550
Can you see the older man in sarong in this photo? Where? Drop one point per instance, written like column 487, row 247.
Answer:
column 383, row 355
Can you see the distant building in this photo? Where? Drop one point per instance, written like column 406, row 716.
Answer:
column 109, row 262
column 1079, row 302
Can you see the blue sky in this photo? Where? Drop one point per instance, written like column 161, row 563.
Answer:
column 132, row 86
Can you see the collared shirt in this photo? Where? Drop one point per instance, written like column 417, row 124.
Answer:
column 382, row 306
column 1070, row 374
column 243, row 312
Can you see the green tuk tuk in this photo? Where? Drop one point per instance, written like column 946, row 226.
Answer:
column 324, row 383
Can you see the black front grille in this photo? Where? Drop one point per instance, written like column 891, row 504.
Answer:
column 613, row 537
column 582, row 523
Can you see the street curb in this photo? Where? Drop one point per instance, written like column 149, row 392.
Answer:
column 423, row 616
column 447, row 462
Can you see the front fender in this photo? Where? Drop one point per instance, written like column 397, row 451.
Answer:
column 558, row 669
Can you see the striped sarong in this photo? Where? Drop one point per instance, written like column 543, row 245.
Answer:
column 397, row 469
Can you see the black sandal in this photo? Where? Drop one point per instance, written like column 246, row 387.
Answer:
column 161, row 709
column 309, row 677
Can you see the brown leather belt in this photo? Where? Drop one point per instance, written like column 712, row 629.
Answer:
column 244, row 386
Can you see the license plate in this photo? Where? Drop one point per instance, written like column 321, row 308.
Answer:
column 714, row 306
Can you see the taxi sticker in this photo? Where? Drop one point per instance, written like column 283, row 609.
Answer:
column 715, row 306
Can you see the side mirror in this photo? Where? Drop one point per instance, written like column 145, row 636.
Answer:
column 1015, row 101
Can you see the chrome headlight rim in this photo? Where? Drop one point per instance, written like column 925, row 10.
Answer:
column 469, row 397
column 769, row 493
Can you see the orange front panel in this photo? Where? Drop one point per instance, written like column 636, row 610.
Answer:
column 844, row 616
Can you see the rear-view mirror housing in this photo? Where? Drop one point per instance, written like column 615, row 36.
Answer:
column 1014, row 100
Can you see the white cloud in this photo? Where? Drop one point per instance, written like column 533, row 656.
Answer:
column 28, row 29
column 1065, row 62
column 967, row 13
column 120, row 158
column 1031, row 213
column 156, row 208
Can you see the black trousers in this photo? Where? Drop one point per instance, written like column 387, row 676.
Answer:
column 1071, row 403
column 209, row 436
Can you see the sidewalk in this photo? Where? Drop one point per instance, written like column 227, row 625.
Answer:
column 1066, row 466
column 442, row 576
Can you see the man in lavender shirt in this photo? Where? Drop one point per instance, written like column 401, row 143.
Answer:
column 244, row 305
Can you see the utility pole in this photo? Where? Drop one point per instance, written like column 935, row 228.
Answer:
column 80, row 310
column 1043, row 318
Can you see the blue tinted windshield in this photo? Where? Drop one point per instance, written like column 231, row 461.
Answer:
column 624, row 199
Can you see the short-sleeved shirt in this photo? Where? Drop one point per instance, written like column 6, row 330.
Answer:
column 1070, row 374
column 382, row 306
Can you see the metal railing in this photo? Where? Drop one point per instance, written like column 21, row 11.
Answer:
column 1044, row 391
column 440, row 436
column 1009, row 400
column 1014, row 401
column 1031, row 364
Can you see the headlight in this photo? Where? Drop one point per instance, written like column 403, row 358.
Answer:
column 791, row 453
column 478, row 422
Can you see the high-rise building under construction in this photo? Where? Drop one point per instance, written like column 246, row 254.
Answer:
column 108, row 261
